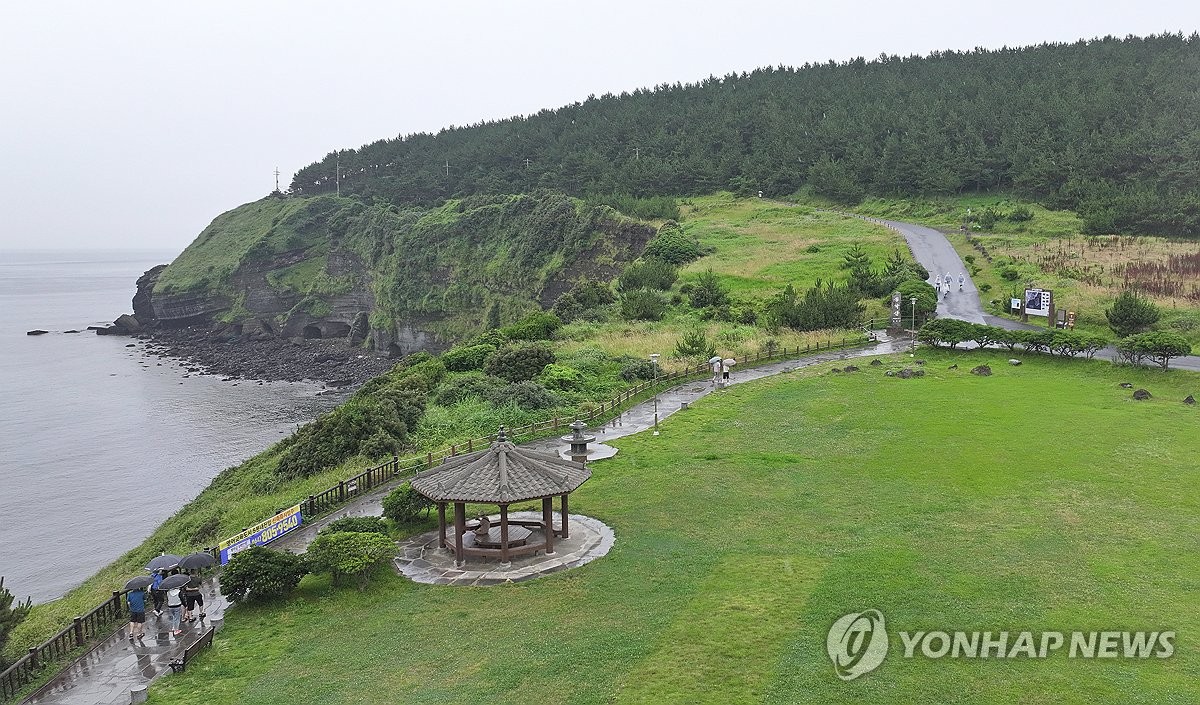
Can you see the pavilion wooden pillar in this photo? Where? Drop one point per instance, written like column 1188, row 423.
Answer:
column 548, row 522
column 441, row 524
column 563, row 510
column 460, row 528
column 504, row 533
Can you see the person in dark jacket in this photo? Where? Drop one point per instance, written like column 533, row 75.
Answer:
column 157, row 595
column 137, row 613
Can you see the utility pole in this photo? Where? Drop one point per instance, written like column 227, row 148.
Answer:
column 447, row 168
column 276, row 178
column 337, row 172
column 637, row 154
column 528, row 161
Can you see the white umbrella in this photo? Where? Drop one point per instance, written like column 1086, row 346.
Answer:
column 714, row 359
column 729, row 362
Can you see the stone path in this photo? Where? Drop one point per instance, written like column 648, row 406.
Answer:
column 106, row 674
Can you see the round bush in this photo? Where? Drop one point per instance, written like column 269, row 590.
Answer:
column 370, row 525
column 561, row 378
column 465, row 359
column 517, row 364
column 261, row 574
column 347, row 553
column 472, row 385
column 405, row 505
column 637, row 369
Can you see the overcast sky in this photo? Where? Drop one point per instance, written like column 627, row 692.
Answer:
column 133, row 124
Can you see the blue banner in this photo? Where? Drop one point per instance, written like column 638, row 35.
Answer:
column 266, row 532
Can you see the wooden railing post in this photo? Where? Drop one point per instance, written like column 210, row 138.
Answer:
column 116, row 601
column 341, row 490
column 78, row 624
column 33, row 658
column 429, row 460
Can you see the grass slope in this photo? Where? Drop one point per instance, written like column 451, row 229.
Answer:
column 1040, row 498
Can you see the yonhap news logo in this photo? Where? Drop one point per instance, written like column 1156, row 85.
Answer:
column 857, row 644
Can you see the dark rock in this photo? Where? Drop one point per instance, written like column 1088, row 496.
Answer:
column 851, row 368
column 328, row 357
column 130, row 345
column 889, row 373
column 111, row 330
column 1014, row 362
column 71, row 331
column 982, row 371
column 1125, row 385
column 37, row 331
column 920, row 362
column 953, row 367
column 128, row 323
column 339, row 383
column 905, row 373
column 360, row 328
column 1189, row 400
column 143, row 308
column 876, row 363
column 1141, row 394
column 836, row 370
column 96, row 328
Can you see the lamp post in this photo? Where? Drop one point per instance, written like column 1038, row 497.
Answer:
column 914, row 323
column 654, row 364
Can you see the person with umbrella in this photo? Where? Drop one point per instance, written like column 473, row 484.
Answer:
column 191, row 592
column 159, row 566
column 136, row 597
column 171, row 584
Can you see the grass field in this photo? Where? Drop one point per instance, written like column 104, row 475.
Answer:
column 1040, row 498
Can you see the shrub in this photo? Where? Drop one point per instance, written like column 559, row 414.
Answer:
column 348, row 553
column 380, row 444
column 636, row 368
column 405, row 505
column 648, row 274
column 591, row 294
column 1158, row 347
column 673, row 245
column 708, row 291
column 822, row 307
column 567, row 307
column 525, row 395
column 535, row 326
column 360, row 524
column 464, row 359
column 1020, row 214
column 1008, row 272
column 12, row 613
column 472, row 385
column 946, row 331
column 643, row 305
column 260, row 573
column 520, row 363
column 561, row 377
column 1131, row 314
column 925, row 294
column 490, row 337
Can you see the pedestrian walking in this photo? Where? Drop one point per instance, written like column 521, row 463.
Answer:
column 961, row 280
column 174, row 611
column 192, row 598
column 137, row 613
column 716, row 369
column 937, row 284
column 157, row 595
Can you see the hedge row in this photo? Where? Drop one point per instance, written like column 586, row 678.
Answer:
column 951, row 332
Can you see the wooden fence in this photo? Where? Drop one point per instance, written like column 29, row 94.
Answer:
column 94, row 624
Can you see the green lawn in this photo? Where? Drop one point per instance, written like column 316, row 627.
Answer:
column 1040, row 498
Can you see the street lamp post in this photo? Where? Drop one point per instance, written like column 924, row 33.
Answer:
column 654, row 364
column 914, row 323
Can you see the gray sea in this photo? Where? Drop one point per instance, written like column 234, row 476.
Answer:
column 99, row 443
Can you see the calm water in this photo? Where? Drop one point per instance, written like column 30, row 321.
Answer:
column 98, row 443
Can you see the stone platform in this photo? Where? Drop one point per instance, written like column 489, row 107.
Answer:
column 422, row 561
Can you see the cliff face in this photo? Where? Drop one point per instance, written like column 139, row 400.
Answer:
column 390, row 279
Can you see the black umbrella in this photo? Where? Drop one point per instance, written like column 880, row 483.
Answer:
column 195, row 582
column 172, row 582
column 139, row 583
column 195, row 561
column 164, row 562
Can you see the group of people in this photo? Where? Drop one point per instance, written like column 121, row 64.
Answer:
column 943, row 285
column 181, row 604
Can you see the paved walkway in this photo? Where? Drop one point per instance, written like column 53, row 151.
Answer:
column 106, row 674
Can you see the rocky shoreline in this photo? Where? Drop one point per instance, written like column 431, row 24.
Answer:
column 235, row 357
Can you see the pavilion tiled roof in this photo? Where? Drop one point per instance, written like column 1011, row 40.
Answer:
column 501, row 474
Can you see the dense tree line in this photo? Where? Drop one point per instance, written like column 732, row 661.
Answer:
column 1107, row 126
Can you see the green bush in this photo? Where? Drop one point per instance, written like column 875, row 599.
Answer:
column 925, row 295
column 648, row 274
column 470, row 385
column 528, row 395
column 643, row 305
column 636, row 368
column 405, row 505
column 695, row 346
column 1131, row 314
column 1020, row 214
column 1158, row 347
column 12, row 613
column 561, row 378
column 361, row 524
column 535, row 326
column 348, row 553
column 519, row 363
column 825, row 306
column 708, row 291
column 260, row 573
column 673, row 245
column 465, row 359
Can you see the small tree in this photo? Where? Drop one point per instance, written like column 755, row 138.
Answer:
column 518, row 364
column 643, row 305
column 708, row 291
column 348, row 553
column 260, row 574
column 1131, row 314
column 1159, row 347
column 405, row 505
column 695, row 346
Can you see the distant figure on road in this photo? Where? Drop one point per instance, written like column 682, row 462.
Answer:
column 937, row 284
column 961, row 281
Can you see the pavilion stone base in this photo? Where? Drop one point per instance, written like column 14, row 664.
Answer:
column 422, row 561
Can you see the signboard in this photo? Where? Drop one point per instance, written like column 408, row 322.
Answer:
column 1015, row 304
column 263, row 533
column 1071, row 319
column 896, row 310
column 1037, row 302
